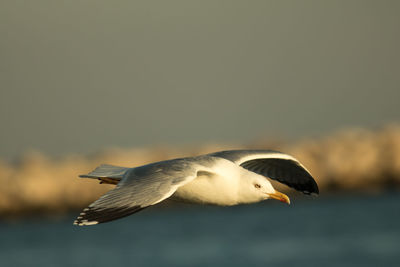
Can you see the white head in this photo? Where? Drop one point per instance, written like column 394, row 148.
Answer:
column 258, row 188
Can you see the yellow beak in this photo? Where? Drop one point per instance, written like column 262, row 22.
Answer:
column 280, row 196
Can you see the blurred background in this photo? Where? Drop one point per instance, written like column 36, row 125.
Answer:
column 128, row 83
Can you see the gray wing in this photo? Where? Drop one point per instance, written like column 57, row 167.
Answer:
column 275, row 165
column 140, row 187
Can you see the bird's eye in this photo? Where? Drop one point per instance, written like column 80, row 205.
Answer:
column 257, row 186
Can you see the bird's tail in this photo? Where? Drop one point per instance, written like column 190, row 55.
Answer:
column 107, row 174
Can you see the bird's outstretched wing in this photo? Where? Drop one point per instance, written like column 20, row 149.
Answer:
column 139, row 188
column 275, row 165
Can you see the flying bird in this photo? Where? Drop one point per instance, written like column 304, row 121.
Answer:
column 222, row 178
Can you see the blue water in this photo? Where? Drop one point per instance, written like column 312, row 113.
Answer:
column 331, row 231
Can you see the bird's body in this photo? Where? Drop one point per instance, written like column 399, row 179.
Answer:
column 221, row 178
column 222, row 185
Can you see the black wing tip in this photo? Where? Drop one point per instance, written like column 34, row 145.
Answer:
column 311, row 188
column 93, row 215
column 82, row 220
column 313, row 192
column 316, row 192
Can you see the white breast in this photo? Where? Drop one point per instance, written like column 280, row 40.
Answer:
column 219, row 186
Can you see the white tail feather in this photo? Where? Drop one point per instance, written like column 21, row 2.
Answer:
column 108, row 171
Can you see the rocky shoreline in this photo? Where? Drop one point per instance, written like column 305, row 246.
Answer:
column 350, row 160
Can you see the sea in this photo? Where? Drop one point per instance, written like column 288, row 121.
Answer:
column 336, row 230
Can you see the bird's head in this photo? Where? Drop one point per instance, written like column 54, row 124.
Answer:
column 259, row 188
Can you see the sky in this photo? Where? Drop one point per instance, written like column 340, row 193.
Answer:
column 79, row 76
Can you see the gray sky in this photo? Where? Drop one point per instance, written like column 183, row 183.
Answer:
column 76, row 76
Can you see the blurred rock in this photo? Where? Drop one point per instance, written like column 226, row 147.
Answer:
column 350, row 160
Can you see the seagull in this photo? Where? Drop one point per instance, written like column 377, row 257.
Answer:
column 223, row 178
